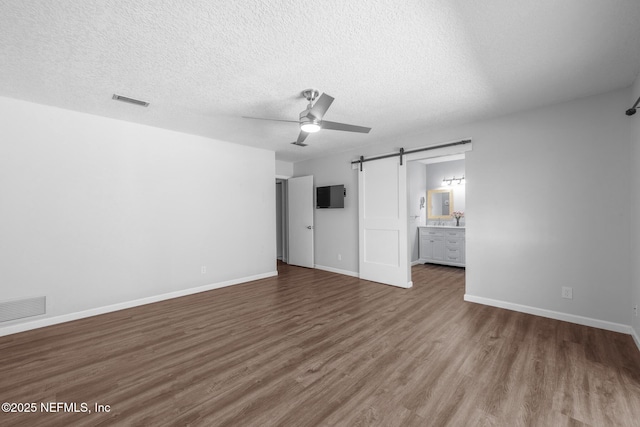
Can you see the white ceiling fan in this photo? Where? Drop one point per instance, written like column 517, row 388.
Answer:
column 311, row 119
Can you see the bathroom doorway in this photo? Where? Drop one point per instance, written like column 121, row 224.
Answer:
column 438, row 177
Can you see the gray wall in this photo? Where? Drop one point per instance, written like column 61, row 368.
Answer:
column 518, row 250
column 635, row 141
column 521, row 251
column 334, row 232
column 417, row 188
column 98, row 212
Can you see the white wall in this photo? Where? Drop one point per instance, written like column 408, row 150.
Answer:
column 284, row 169
column 97, row 211
column 417, row 188
column 519, row 250
column 635, row 145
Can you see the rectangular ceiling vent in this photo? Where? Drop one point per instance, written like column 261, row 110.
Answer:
column 21, row 308
column 130, row 100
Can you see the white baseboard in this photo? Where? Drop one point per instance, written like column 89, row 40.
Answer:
column 572, row 318
column 416, row 262
column 336, row 270
column 635, row 337
column 41, row 323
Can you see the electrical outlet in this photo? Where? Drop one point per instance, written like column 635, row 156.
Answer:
column 339, row 257
column 567, row 292
column 203, row 269
column 635, row 310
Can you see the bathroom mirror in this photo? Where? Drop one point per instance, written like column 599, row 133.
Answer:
column 440, row 204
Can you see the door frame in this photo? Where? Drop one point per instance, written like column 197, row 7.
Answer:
column 283, row 237
column 441, row 149
column 305, row 225
column 432, row 154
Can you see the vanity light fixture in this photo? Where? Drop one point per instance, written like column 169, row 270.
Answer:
column 449, row 181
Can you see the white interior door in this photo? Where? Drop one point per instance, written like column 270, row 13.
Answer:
column 300, row 213
column 382, row 194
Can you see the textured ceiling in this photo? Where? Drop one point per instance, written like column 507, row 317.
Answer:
column 398, row 67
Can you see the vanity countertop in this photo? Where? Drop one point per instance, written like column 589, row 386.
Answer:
column 441, row 226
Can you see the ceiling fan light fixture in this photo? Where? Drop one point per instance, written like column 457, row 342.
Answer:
column 310, row 127
column 311, row 119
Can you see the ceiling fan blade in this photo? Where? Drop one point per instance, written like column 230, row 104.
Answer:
column 301, row 137
column 273, row 120
column 343, row 126
column 321, row 106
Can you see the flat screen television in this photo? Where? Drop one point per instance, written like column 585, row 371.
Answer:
column 330, row 197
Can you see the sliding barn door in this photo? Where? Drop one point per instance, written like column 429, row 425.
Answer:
column 382, row 193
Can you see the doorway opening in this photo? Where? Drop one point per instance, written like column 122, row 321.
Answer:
column 281, row 224
column 436, row 198
column 294, row 221
column 384, row 211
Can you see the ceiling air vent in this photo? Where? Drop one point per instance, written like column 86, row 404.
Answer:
column 130, row 100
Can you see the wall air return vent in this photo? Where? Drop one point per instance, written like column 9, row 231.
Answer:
column 20, row 308
column 130, row 100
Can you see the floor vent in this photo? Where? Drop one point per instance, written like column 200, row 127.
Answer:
column 21, row 308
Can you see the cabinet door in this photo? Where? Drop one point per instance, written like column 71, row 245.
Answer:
column 426, row 247
column 438, row 248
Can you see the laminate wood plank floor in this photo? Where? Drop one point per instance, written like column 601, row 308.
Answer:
column 313, row 348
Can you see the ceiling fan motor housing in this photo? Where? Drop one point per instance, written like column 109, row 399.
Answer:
column 311, row 119
column 305, row 117
column 308, row 123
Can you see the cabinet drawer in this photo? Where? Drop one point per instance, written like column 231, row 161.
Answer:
column 431, row 232
column 454, row 233
column 454, row 255
column 431, row 239
column 453, row 242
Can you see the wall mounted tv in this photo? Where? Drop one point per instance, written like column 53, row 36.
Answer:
column 330, row 197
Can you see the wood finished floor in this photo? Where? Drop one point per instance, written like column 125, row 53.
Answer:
column 315, row 348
